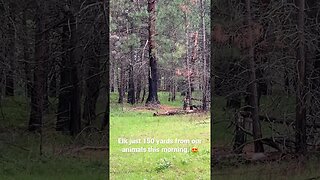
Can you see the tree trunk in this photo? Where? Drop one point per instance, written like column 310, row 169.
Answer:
column 105, row 121
column 38, row 88
column 26, row 57
column 143, row 93
column 121, row 82
column 75, row 124
column 53, row 82
column 258, row 145
column 112, row 79
column 188, row 99
column 286, row 80
column 205, row 79
column 9, row 88
column 63, row 117
column 153, row 71
column 138, row 92
column 92, row 77
column 93, row 81
column 69, row 112
column 131, row 89
column 301, row 138
column 174, row 87
column 240, row 136
column 45, row 75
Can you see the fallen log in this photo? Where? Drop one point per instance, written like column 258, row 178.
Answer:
column 176, row 112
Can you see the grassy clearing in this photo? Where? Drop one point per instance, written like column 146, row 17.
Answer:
column 20, row 150
column 132, row 124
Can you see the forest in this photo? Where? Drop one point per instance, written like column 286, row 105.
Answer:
column 170, row 89
column 160, row 89
column 265, row 89
column 53, row 89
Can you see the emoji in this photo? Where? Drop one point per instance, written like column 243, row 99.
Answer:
column 194, row 149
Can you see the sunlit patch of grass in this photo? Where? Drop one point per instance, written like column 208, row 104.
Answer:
column 131, row 124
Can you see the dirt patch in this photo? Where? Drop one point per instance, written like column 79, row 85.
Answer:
column 158, row 108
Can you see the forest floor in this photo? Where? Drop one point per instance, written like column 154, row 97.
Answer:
column 137, row 122
column 63, row 157
column 83, row 157
column 275, row 168
column 160, row 108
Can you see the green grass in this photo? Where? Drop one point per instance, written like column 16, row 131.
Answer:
column 20, row 159
column 20, row 150
column 133, row 124
column 284, row 170
column 275, row 106
column 13, row 112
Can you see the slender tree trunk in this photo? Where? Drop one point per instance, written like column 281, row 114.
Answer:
column 53, row 82
column 240, row 136
column 38, row 88
column 26, row 57
column 121, row 83
column 286, row 80
column 205, row 79
column 301, row 138
column 257, row 134
column 189, row 90
column 131, row 88
column 92, row 88
column 174, row 87
column 153, row 71
column 112, row 79
column 63, row 117
column 75, row 124
column 138, row 92
column 9, row 89
column 143, row 93
column 46, row 70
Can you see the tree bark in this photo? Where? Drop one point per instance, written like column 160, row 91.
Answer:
column 138, row 92
column 38, row 88
column 131, row 89
column 53, row 81
column 105, row 121
column 69, row 112
column 93, row 81
column 301, row 138
column 205, row 79
column 92, row 77
column 26, row 57
column 9, row 88
column 75, row 124
column 189, row 89
column 153, row 71
column 121, row 83
column 258, row 145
